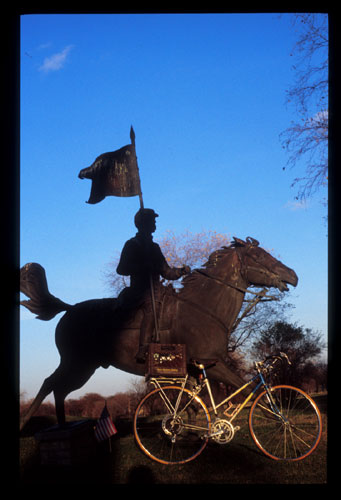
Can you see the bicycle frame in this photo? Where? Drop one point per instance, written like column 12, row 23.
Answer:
column 240, row 406
column 157, row 382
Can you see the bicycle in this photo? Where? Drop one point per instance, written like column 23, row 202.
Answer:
column 172, row 424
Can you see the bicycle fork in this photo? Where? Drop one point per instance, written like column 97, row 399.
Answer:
column 274, row 409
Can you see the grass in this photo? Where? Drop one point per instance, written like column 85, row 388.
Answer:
column 239, row 462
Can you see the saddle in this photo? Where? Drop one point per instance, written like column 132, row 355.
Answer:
column 166, row 302
column 203, row 364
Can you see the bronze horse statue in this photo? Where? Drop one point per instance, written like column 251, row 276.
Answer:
column 201, row 315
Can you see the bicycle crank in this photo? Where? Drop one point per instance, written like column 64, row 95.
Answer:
column 222, row 431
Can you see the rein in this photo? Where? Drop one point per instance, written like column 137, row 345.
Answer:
column 239, row 288
column 202, row 309
column 261, row 294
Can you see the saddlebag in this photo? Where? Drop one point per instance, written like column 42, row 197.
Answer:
column 167, row 360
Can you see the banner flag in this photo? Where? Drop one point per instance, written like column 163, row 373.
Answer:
column 114, row 174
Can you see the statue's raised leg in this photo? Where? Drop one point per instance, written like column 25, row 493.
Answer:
column 65, row 379
column 45, row 390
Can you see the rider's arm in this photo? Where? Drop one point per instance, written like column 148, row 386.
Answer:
column 170, row 273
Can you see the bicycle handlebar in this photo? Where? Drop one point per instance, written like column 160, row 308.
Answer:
column 281, row 356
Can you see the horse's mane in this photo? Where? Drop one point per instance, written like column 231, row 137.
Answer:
column 192, row 280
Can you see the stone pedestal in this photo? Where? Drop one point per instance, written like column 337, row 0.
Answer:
column 71, row 445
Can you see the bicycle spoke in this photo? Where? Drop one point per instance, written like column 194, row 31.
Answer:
column 171, row 425
column 291, row 435
column 274, row 416
column 299, row 438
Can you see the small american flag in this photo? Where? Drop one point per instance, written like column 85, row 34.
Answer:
column 104, row 427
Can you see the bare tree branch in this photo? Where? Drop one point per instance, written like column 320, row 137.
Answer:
column 307, row 137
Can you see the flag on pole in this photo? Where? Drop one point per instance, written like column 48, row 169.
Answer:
column 105, row 426
column 114, row 174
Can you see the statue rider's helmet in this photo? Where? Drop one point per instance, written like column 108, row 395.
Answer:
column 144, row 216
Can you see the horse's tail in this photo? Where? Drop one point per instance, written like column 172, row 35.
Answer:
column 33, row 283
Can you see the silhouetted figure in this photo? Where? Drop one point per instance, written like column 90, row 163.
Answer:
column 143, row 261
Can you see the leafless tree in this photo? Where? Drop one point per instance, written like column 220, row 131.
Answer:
column 187, row 248
column 302, row 345
column 307, row 137
column 257, row 315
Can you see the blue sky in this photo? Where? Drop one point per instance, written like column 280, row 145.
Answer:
column 206, row 96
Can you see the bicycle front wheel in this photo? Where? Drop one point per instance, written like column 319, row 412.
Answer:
column 285, row 425
column 171, row 425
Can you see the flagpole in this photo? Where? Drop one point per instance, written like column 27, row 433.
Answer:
column 132, row 138
column 157, row 339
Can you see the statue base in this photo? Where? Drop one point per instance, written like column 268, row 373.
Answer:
column 71, row 445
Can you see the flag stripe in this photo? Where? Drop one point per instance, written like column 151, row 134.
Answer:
column 105, row 429
column 105, row 426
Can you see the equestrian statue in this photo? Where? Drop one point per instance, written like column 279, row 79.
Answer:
column 115, row 331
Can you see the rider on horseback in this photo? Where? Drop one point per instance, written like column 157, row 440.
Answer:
column 143, row 261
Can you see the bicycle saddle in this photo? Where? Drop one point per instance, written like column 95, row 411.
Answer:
column 203, row 363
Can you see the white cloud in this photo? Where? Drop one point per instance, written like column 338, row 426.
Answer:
column 296, row 205
column 43, row 46
column 56, row 61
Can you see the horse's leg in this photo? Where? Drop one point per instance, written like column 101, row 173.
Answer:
column 71, row 377
column 46, row 388
column 221, row 372
column 217, row 391
column 65, row 379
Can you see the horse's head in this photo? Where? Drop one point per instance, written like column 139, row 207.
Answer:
column 259, row 268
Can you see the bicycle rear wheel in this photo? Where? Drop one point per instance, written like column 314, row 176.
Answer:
column 171, row 425
column 288, row 427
